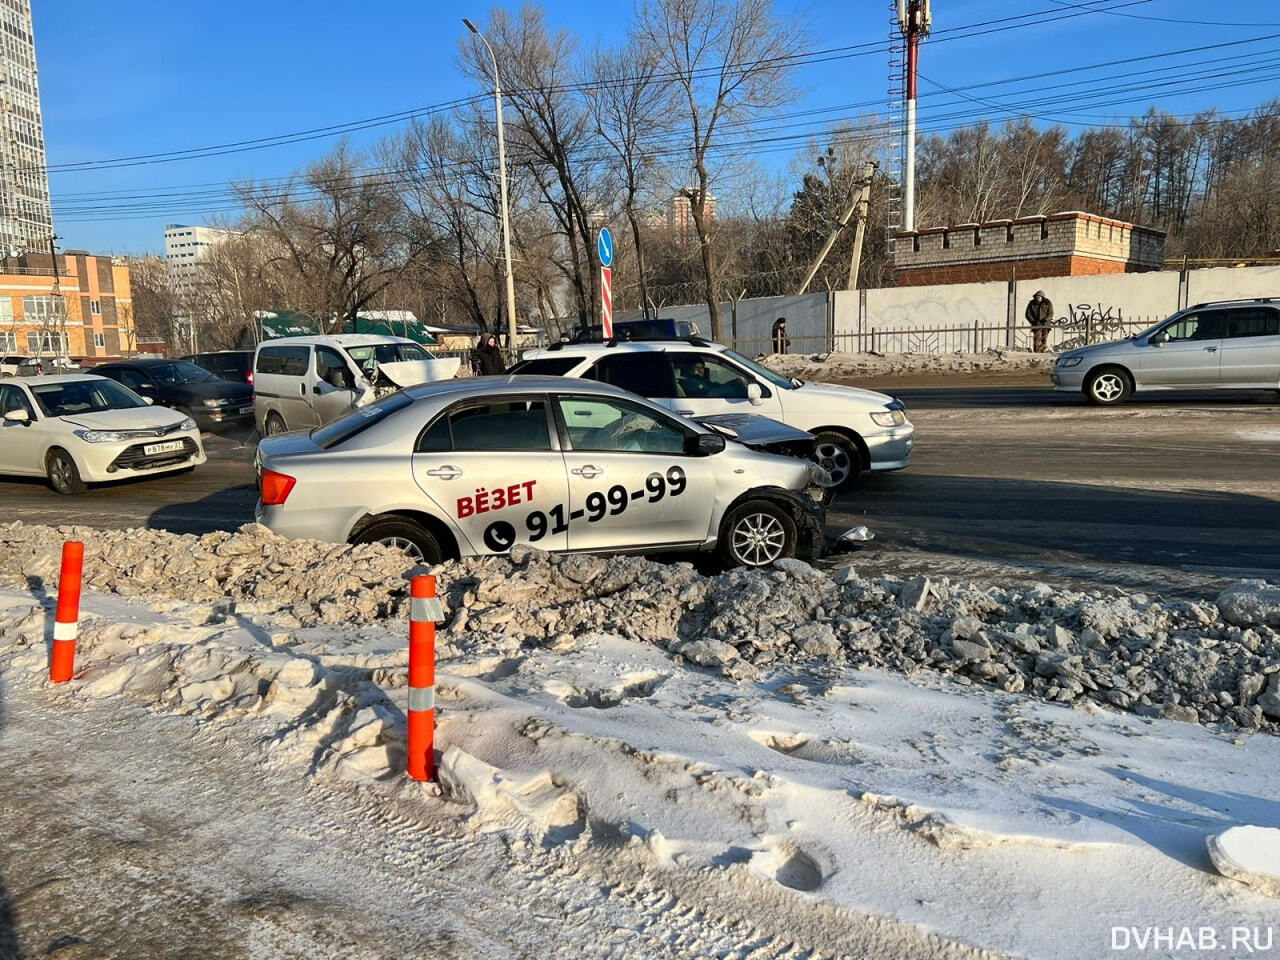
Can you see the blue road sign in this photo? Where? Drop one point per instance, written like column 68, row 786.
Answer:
column 604, row 246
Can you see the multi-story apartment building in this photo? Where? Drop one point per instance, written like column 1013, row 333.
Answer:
column 84, row 311
column 26, row 223
column 185, row 249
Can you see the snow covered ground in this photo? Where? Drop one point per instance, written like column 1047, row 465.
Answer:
column 636, row 760
column 839, row 367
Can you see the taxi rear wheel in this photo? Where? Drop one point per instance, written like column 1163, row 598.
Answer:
column 411, row 539
column 756, row 533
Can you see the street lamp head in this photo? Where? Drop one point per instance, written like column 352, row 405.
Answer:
column 470, row 26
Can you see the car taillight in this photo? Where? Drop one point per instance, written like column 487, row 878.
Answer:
column 248, row 378
column 274, row 487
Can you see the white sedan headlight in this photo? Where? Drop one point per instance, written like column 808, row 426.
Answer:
column 100, row 436
column 1069, row 361
column 187, row 424
column 889, row 418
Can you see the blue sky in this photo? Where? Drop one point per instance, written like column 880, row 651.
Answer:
column 143, row 77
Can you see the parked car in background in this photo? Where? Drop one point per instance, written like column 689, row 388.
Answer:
column 79, row 429
column 1226, row 344
column 233, row 365
column 303, row 382
column 856, row 429
column 475, row 466
column 189, row 389
column 16, row 365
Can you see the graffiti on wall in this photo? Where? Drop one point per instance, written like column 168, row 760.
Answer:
column 1087, row 323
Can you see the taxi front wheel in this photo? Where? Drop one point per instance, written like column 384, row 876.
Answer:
column 756, row 533
column 411, row 539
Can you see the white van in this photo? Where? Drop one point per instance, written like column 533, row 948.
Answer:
column 303, row 382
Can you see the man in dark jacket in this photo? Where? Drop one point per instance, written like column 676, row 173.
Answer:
column 487, row 357
column 781, row 342
column 1039, row 316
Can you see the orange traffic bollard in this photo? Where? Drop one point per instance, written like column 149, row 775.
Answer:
column 424, row 612
column 66, row 623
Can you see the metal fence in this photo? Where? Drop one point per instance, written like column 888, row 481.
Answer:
column 1063, row 335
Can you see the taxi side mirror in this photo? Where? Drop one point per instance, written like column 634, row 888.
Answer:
column 755, row 394
column 705, row 444
column 17, row 416
column 1158, row 339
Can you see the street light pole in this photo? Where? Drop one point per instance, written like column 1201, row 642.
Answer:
column 502, row 188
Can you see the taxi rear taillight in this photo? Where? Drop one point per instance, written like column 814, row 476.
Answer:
column 275, row 487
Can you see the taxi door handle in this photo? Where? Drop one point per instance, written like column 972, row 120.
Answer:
column 445, row 472
column 685, row 413
column 1211, row 349
column 587, row 470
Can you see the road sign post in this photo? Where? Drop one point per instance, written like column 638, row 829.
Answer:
column 604, row 247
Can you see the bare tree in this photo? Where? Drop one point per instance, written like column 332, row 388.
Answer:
column 630, row 106
column 550, row 141
column 334, row 229
column 730, row 61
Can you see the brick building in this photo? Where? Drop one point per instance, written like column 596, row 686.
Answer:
column 1058, row 245
column 85, row 312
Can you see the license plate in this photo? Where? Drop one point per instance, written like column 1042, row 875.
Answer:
column 245, row 410
column 172, row 446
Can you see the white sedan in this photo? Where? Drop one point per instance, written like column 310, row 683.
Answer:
column 78, row 429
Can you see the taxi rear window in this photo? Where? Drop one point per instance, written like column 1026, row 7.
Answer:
column 357, row 421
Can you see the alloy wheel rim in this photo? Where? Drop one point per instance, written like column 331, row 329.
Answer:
column 758, row 538
column 1107, row 387
column 61, row 472
column 405, row 546
column 834, row 459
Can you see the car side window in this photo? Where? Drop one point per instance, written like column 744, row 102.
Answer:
column 706, row 375
column 647, row 373
column 289, row 361
column 495, row 426
column 610, row 424
column 333, row 370
column 1254, row 322
column 130, row 378
column 1210, row 325
column 13, row 398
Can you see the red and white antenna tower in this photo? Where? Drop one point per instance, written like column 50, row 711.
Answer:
column 914, row 20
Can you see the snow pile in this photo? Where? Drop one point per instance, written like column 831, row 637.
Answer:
column 312, row 581
column 1190, row 660
column 651, row 729
column 825, row 366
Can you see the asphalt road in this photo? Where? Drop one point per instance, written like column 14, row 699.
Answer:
column 1170, row 493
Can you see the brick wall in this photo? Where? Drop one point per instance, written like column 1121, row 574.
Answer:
column 1062, row 244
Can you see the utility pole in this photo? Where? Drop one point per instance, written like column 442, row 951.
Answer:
column 860, row 231
column 858, row 203
column 914, row 20
column 59, row 302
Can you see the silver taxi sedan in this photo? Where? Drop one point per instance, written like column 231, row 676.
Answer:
column 473, row 467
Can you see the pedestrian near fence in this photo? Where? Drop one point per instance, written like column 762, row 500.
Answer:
column 1039, row 316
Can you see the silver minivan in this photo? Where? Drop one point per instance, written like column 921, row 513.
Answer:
column 1227, row 344
column 304, row 382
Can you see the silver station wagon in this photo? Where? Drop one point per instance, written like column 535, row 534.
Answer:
column 1228, row 345
column 475, row 466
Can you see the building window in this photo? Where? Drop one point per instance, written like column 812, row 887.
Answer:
column 100, row 341
column 95, row 307
column 8, row 341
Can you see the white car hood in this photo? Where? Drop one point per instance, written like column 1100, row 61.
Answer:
column 410, row 373
column 835, row 391
column 135, row 418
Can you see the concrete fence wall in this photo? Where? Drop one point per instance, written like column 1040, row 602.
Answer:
column 978, row 316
